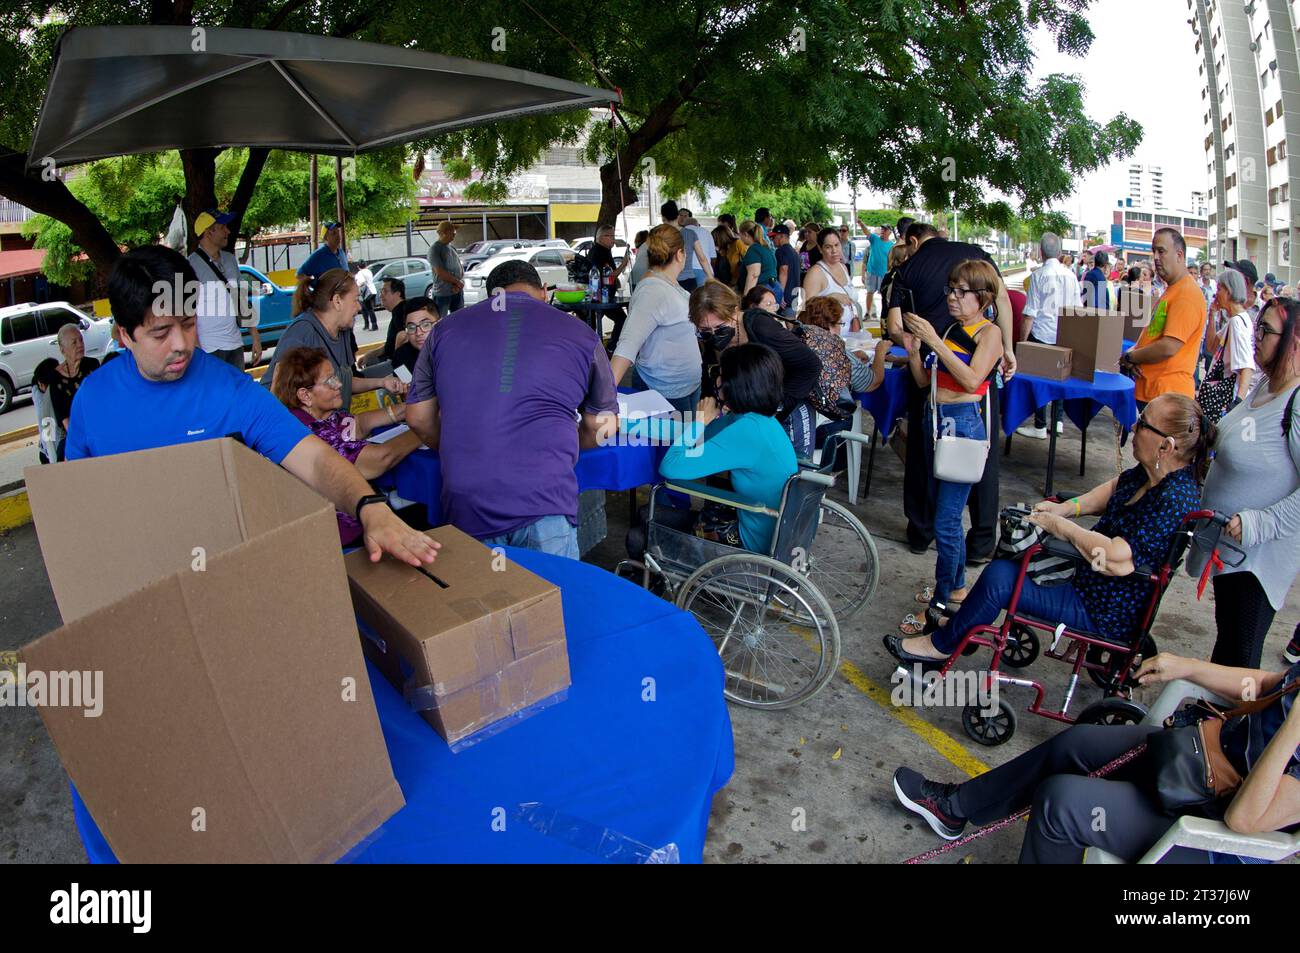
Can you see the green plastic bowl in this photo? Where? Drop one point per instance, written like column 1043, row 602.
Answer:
column 570, row 297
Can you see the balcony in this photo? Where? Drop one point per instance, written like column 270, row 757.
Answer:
column 11, row 211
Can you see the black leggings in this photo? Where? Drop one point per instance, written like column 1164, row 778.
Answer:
column 1242, row 614
column 1069, row 811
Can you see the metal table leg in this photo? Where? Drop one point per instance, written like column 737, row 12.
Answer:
column 1083, row 452
column 1051, row 449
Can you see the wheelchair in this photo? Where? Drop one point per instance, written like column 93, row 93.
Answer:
column 772, row 616
column 1111, row 665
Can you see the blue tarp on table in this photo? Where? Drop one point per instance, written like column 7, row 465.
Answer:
column 1025, row 393
column 608, row 756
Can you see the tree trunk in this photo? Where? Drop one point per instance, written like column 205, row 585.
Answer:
column 244, row 191
column 615, row 193
column 200, row 167
column 52, row 198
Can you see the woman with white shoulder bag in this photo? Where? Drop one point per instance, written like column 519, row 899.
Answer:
column 962, row 365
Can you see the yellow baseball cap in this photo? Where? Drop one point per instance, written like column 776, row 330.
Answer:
column 209, row 218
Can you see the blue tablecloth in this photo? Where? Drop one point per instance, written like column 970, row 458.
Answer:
column 1024, row 393
column 647, row 770
column 887, row 402
column 622, row 467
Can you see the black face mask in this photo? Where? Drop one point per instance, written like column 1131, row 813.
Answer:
column 719, row 337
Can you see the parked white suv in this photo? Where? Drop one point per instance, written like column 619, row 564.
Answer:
column 551, row 262
column 29, row 333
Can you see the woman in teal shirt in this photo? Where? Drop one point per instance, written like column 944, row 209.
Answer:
column 759, row 264
column 746, row 440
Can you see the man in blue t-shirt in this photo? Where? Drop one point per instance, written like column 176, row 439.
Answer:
column 330, row 254
column 165, row 391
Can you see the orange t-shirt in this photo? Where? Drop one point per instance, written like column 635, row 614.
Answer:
column 1179, row 313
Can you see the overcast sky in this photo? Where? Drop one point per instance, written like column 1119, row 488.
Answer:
column 1137, row 44
column 1131, row 39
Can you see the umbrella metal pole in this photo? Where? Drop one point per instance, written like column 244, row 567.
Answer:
column 313, row 205
column 338, row 203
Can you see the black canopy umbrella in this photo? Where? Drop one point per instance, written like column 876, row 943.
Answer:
column 119, row 90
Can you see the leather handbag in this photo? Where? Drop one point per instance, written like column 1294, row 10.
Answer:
column 958, row 459
column 1192, row 774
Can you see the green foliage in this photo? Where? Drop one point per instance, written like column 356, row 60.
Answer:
column 134, row 197
column 875, row 217
column 803, row 203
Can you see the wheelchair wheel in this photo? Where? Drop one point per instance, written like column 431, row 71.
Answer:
column 843, row 562
column 987, row 730
column 1022, row 647
column 1112, row 711
column 774, row 630
column 1147, row 648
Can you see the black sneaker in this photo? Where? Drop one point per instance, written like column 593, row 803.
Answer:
column 1292, row 651
column 931, row 800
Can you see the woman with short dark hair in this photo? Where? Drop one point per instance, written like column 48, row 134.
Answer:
column 744, row 440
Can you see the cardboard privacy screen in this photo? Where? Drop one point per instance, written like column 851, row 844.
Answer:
column 237, row 724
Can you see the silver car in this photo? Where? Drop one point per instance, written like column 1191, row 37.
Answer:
column 29, row 333
column 414, row 273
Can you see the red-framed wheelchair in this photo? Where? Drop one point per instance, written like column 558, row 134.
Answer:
column 1109, row 664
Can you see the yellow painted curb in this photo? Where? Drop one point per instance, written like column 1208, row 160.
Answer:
column 15, row 511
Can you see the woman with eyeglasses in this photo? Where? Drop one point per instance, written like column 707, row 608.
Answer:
column 421, row 315
column 326, row 307
column 1256, row 477
column 714, row 309
column 1141, row 510
column 1232, row 350
column 967, row 357
column 305, row 381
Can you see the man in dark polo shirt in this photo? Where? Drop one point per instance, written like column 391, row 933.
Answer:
column 507, row 391
column 601, row 257
column 921, row 288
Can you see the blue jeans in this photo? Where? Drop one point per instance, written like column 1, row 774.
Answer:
column 801, row 427
column 446, row 304
column 687, row 404
column 550, row 534
column 991, row 593
column 958, row 420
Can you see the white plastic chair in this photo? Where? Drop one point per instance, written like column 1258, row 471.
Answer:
column 1199, row 833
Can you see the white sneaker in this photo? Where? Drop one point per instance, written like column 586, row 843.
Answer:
column 1060, row 426
column 1029, row 430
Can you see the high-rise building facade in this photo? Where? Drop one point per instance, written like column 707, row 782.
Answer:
column 1251, row 97
column 1146, row 185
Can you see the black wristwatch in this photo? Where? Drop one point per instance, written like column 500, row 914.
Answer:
column 366, row 501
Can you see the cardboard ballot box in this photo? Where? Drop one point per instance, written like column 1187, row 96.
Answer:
column 237, row 723
column 1095, row 337
column 1044, row 360
column 481, row 638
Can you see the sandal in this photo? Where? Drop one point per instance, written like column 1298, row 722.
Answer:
column 926, row 596
column 925, row 625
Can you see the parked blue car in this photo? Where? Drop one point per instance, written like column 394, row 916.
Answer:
column 273, row 305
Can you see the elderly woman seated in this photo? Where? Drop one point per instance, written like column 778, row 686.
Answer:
column 1140, row 510
column 305, row 382
column 1051, row 779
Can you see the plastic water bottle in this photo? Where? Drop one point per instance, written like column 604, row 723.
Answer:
column 607, row 284
column 593, row 284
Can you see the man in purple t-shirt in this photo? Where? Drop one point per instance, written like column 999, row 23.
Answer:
column 507, row 391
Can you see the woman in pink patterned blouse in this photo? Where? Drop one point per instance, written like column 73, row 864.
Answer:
column 305, row 383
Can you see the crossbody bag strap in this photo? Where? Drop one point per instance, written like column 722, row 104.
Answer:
column 1259, row 704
